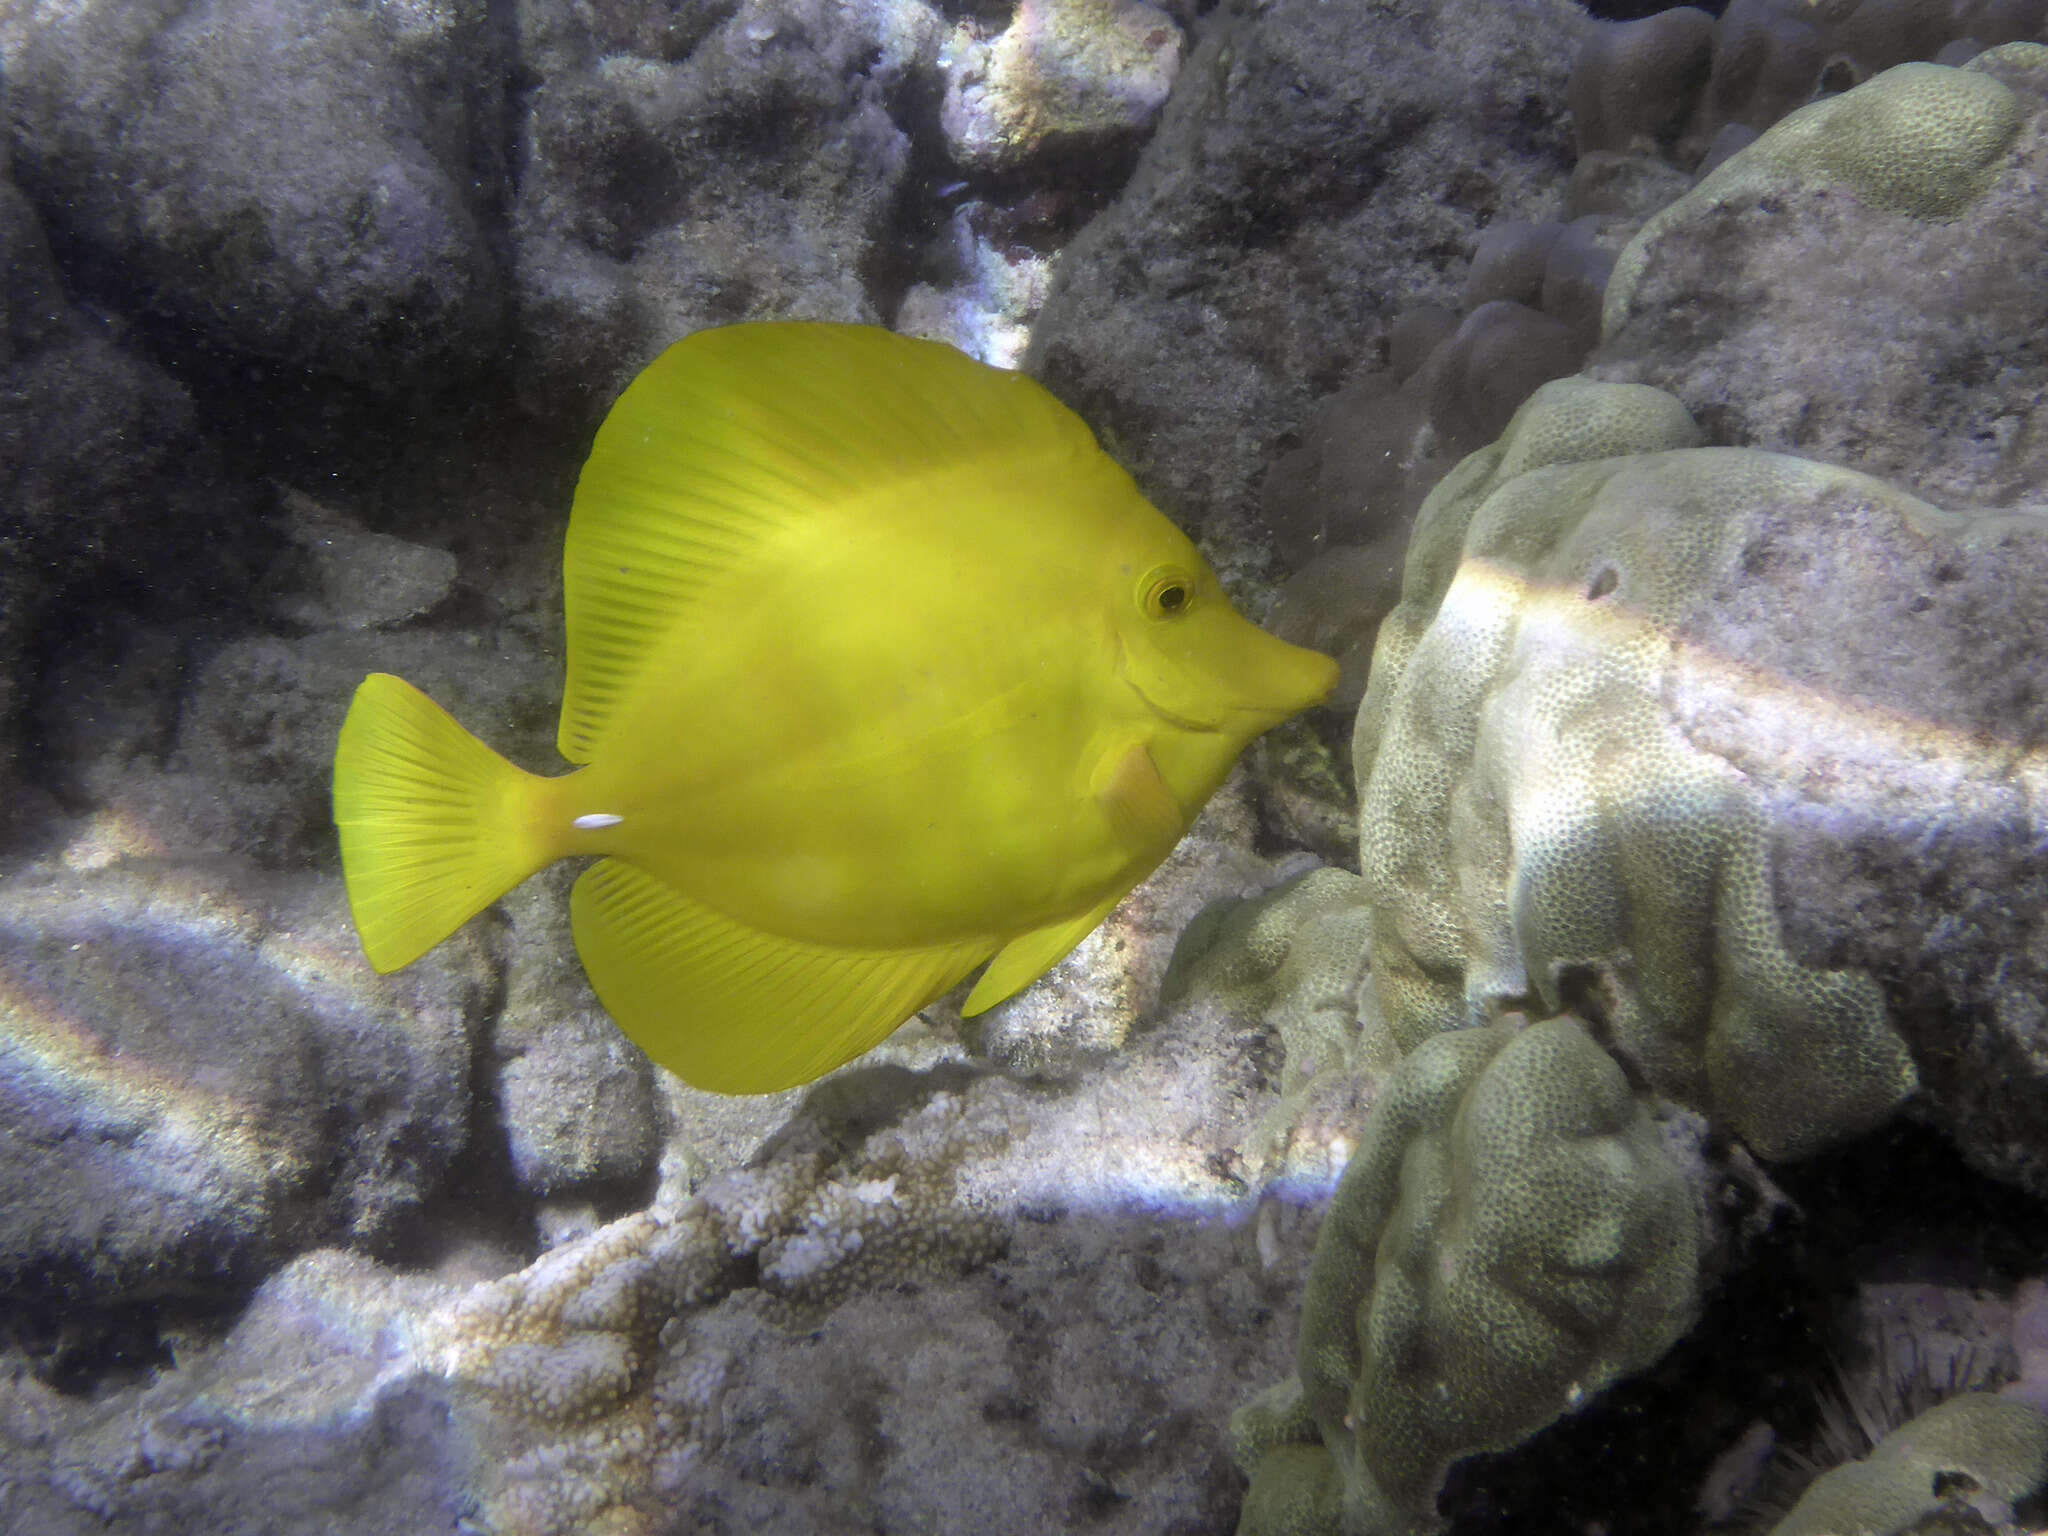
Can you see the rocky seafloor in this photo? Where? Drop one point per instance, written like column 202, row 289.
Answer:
column 1591, row 1076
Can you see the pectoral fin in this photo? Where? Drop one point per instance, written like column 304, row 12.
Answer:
column 1142, row 810
column 1147, row 821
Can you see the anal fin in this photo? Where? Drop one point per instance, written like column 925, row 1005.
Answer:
column 732, row 1009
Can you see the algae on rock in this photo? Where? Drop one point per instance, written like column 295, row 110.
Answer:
column 1920, row 139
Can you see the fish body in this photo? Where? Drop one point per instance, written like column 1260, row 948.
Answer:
column 878, row 668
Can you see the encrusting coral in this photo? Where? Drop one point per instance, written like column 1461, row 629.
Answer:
column 1512, row 1236
column 565, row 1355
column 1294, row 956
column 888, row 1215
column 1293, row 961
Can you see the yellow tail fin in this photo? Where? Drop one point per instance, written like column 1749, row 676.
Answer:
column 434, row 825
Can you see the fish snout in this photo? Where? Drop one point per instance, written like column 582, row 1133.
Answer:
column 1219, row 672
column 1276, row 681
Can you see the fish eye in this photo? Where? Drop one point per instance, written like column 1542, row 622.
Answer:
column 1167, row 593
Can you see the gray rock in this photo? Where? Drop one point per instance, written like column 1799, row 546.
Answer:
column 1883, row 691
column 199, row 1074
column 352, row 578
column 1084, row 76
column 1316, row 166
column 750, row 171
column 1078, row 1384
column 233, row 751
column 297, row 182
column 110, row 497
column 291, row 1422
column 575, row 1097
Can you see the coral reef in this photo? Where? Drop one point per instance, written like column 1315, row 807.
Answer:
column 1341, row 504
column 1845, row 380
column 1684, row 83
column 1581, row 758
column 1293, row 957
column 1065, row 76
column 1288, row 203
column 110, row 483
column 749, row 167
column 306, row 316
column 1292, row 961
column 1634, row 82
column 577, row 1101
column 296, row 1420
column 566, row 1352
column 152, row 132
column 1594, row 596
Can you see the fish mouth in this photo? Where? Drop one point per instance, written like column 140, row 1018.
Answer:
column 1173, row 716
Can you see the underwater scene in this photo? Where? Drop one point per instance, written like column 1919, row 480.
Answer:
column 987, row 767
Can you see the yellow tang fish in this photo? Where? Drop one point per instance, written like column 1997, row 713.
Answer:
column 878, row 668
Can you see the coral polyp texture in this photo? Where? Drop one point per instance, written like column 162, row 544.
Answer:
column 1512, row 1237
column 584, row 1413
column 1965, row 1451
column 1534, row 822
column 1293, row 960
column 1294, row 957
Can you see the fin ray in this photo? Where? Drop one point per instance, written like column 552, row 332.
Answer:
column 428, row 823
column 729, row 1008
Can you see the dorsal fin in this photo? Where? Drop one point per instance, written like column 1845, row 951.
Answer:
column 735, row 433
